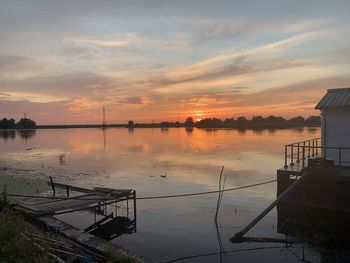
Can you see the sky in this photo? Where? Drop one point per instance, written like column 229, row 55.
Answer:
column 159, row 60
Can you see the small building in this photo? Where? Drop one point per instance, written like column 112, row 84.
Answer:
column 335, row 125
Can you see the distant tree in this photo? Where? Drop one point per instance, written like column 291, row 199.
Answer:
column 165, row 124
column 257, row 120
column 130, row 123
column 7, row 123
column 273, row 120
column 209, row 122
column 229, row 122
column 189, row 122
column 26, row 123
column 297, row 121
column 242, row 120
column 313, row 121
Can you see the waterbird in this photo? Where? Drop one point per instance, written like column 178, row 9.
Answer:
column 163, row 175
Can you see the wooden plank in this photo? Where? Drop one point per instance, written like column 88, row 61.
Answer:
column 99, row 222
column 56, row 199
column 113, row 192
column 68, row 204
column 107, row 190
column 71, row 187
column 238, row 236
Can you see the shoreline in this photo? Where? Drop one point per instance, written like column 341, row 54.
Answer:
column 145, row 126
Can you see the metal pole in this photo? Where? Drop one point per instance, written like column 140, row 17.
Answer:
column 238, row 236
column 298, row 160
column 127, row 208
column 304, row 156
column 135, row 208
column 292, row 155
column 285, row 157
column 339, row 161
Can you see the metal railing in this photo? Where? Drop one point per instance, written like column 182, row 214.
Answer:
column 300, row 152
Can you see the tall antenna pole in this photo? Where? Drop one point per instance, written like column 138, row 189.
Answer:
column 104, row 122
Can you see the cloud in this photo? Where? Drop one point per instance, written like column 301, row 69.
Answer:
column 221, row 29
column 123, row 40
column 5, row 94
column 134, row 100
column 225, row 70
column 105, row 43
column 18, row 66
column 33, row 97
column 229, row 28
column 174, row 45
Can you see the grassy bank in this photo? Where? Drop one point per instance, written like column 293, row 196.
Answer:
column 18, row 245
column 14, row 243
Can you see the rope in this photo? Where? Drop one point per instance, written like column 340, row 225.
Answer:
column 204, row 193
column 224, row 252
column 143, row 198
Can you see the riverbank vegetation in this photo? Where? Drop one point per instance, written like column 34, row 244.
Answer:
column 14, row 246
column 23, row 123
column 241, row 122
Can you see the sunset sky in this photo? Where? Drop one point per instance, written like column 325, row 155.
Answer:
column 61, row 61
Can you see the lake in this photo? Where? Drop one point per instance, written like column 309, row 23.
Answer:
column 174, row 228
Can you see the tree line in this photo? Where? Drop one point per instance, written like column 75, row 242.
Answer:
column 256, row 121
column 23, row 123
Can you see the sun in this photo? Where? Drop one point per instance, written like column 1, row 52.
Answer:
column 198, row 119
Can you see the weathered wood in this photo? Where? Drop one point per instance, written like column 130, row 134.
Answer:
column 67, row 204
column 53, row 186
column 238, row 236
column 86, row 240
column 91, row 199
column 98, row 222
column 71, row 187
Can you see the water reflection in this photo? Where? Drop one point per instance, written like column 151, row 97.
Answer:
column 11, row 134
column 112, row 228
column 312, row 130
column 27, row 134
column 191, row 158
column 104, row 134
column 189, row 130
column 7, row 134
column 326, row 232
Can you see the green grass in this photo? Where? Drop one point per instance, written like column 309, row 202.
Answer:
column 117, row 257
column 14, row 245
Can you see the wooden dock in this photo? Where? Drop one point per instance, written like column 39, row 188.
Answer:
column 67, row 199
column 82, row 199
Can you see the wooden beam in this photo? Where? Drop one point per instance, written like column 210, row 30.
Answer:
column 238, row 237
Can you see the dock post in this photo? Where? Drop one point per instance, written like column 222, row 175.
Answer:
column 135, row 208
column 53, row 186
column 285, row 157
column 127, row 207
column 303, row 155
column 238, row 237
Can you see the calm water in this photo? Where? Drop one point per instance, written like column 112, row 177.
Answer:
column 170, row 228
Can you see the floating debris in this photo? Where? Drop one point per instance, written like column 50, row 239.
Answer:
column 61, row 158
